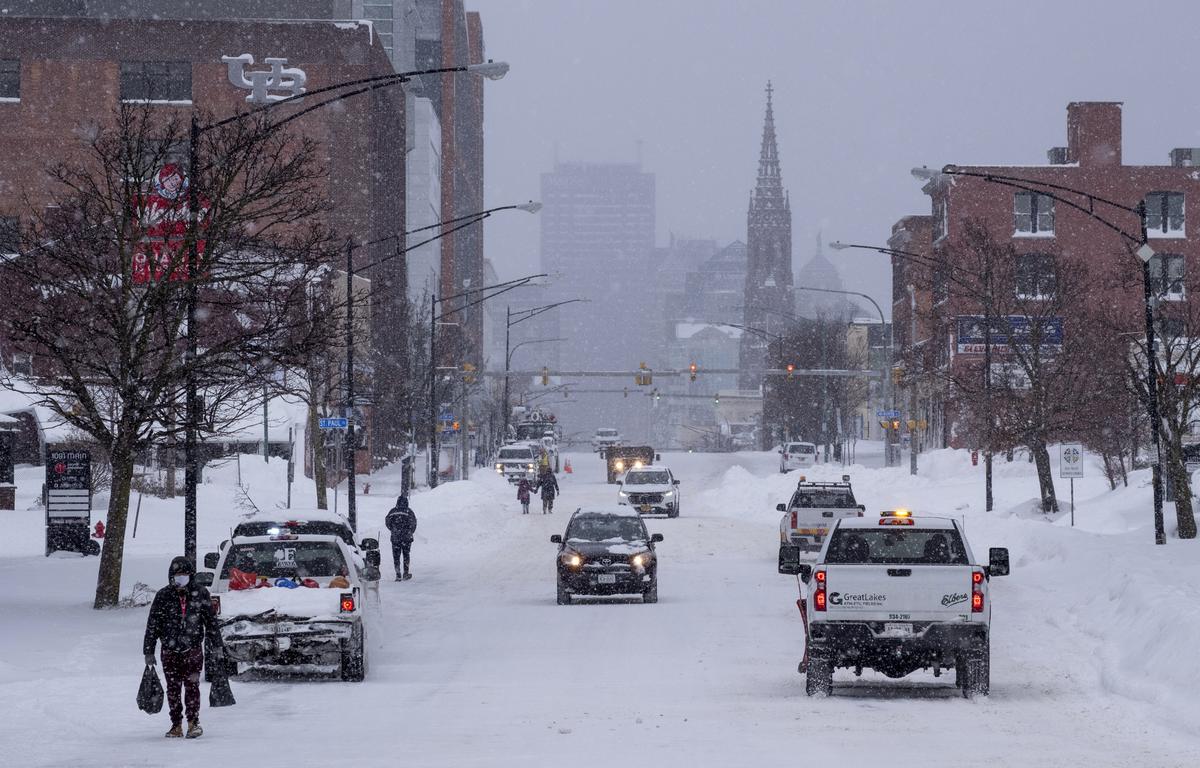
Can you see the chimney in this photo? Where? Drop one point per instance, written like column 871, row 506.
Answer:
column 1094, row 133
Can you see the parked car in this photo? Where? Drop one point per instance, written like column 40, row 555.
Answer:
column 606, row 551
column 293, row 601
column 796, row 456
column 650, row 490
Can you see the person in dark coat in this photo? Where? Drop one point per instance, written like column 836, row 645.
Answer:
column 548, row 485
column 401, row 523
column 181, row 618
column 524, row 488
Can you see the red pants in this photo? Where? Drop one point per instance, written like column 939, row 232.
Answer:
column 183, row 669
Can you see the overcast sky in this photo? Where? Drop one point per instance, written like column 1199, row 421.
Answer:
column 864, row 91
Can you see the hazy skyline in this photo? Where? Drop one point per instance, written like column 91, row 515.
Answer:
column 863, row 93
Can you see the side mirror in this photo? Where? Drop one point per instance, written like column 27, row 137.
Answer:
column 781, row 507
column 998, row 561
column 211, row 559
column 203, row 578
column 372, row 558
column 556, row 539
column 369, row 544
column 657, row 457
column 655, row 538
column 674, row 482
column 371, row 572
column 602, row 454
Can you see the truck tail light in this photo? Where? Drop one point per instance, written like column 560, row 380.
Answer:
column 976, row 591
column 216, row 605
column 819, row 598
column 347, row 602
column 795, row 519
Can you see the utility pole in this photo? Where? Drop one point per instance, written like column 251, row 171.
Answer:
column 912, row 387
column 351, row 510
column 987, row 380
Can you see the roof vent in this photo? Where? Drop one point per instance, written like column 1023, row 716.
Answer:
column 1183, row 157
column 1057, row 155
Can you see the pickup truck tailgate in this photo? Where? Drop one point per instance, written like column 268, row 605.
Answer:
column 882, row 592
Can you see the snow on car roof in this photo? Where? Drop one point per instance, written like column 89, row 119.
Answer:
column 872, row 521
column 613, row 511
column 300, row 515
column 291, row 537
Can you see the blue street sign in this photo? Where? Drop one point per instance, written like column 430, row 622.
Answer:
column 446, row 415
column 887, row 414
column 333, row 423
column 1045, row 332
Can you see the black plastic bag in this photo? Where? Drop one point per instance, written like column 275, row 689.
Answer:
column 150, row 692
column 220, row 694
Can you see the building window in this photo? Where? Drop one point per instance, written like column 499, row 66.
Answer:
column 10, row 235
column 22, row 364
column 1166, row 276
column 1033, row 214
column 1035, row 276
column 941, row 218
column 1164, row 214
column 156, row 81
column 10, row 79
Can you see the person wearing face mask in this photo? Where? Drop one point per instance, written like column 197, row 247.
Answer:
column 181, row 617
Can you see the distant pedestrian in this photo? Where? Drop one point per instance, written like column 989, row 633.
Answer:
column 181, row 616
column 548, row 485
column 524, row 488
column 401, row 523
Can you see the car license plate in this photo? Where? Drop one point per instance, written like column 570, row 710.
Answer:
column 895, row 629
column 285, row 627
column 606, row 578
column 645, row 507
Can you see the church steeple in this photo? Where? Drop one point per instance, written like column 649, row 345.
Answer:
column 769, row 190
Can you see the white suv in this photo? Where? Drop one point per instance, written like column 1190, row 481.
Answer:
column 797, row 456
column 605, row 437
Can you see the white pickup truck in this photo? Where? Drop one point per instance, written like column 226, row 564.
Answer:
column 897, row 594
column 294, row 602
column 809, row 514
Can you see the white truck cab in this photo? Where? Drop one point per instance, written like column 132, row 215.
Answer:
column 898, row 593
column 518, row 460
column 294, row 601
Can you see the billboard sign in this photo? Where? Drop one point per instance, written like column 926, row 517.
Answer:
column 164, row 217
column 1006, row 332
column 69, row 484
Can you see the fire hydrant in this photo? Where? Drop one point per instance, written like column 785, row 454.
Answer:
column 99, row 532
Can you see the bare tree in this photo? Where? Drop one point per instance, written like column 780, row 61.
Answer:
column 100, row 286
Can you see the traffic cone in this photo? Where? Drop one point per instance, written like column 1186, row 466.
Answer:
column 567, row 467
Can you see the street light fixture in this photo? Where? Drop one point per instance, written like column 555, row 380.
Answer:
column 520, row 317
column 491, row 70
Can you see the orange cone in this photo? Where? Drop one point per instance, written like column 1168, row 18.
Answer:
column 567, row 467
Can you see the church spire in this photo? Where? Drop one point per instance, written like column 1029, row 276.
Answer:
column 769, row 190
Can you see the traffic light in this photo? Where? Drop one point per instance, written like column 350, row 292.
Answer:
column 716, row 399
column 545, row 376
column 692, row 371
column 643, row 377
column 626, row 392
column 468, row 373
column 791, row 368
column 896, row 424
column 657, row 396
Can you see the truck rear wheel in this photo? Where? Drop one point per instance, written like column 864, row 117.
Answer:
column 978, row 673
column 354, row 659
column 819, row 678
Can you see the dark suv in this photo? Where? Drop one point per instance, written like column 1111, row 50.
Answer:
column 607, row 551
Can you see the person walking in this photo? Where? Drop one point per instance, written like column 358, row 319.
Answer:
column 548, row 485
column 401, row 523
column 524, row 488
column 181, row 618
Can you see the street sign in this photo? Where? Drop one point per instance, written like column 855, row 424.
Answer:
column 1070, row 463
column 971, row 330
column 887, row 414
column 333, row 423
column 446, row 415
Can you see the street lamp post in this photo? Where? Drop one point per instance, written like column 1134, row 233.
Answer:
column 485, row 293
column 493, row 70
column 521, row 316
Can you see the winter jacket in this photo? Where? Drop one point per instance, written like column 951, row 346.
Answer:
column 523, row 490
column 401, row 522
column 181, row 619
column 548, row 484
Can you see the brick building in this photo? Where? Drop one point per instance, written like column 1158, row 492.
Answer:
column 1050, row 239
column 60, row 75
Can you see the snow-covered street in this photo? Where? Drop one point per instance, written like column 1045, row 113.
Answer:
column 478, row 666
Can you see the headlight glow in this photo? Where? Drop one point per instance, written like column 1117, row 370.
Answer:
column 572, row 559
column 620, row 465
column 637, row 464
column 668, row 494
column 641, row 560
column 622, row 493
